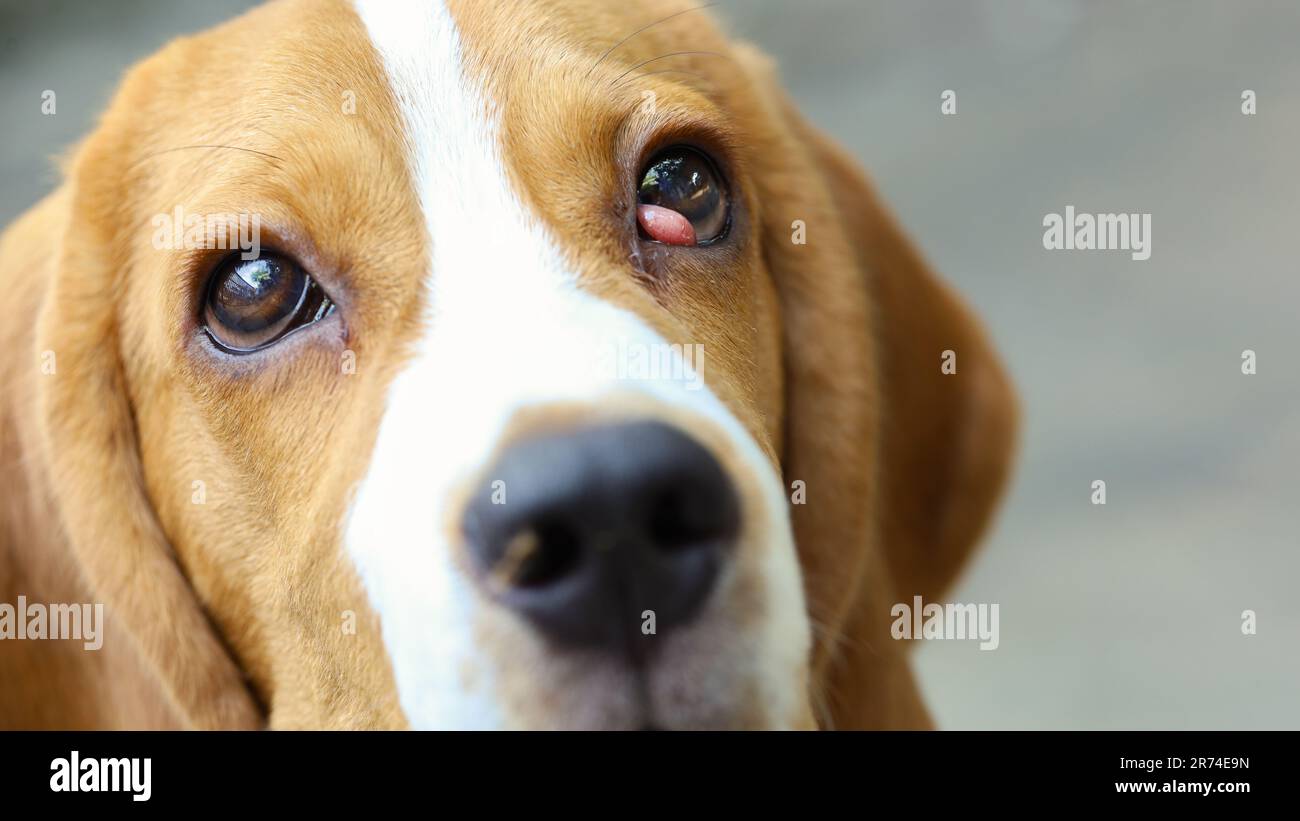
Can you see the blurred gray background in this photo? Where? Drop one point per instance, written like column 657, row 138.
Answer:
column 1122, row 616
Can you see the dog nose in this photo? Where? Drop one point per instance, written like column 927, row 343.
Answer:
column 584, row 531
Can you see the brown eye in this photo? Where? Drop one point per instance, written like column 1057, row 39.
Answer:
column 252, row 303
column 682, row 199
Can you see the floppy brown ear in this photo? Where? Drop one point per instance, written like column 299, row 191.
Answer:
column 903, row 463
column 89, row 447
column 950, row 414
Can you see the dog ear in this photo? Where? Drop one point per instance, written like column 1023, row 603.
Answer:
column 90, row 449
column 902, row 462
column 950, row 413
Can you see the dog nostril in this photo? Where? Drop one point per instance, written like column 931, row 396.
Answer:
column 682, row 517
column 541, row 555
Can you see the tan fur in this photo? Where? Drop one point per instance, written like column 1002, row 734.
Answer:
column 261, row 558
column 228, row 613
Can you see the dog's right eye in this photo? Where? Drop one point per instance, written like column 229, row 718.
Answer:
column 253, row 303
column 682, row 199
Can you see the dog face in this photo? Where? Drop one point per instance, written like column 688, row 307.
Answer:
column 534, row 409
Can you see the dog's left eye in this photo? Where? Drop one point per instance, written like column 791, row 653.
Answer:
column 253, row 303
column 682, row 199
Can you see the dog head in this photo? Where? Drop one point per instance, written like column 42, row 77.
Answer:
column 575, row 381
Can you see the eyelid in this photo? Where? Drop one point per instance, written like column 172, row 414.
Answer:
column 280, row 232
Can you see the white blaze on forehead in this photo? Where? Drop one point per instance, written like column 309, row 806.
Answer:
column 507, row 328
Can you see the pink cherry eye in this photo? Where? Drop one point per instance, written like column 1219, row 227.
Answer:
column 682, row 199
column 663, row 225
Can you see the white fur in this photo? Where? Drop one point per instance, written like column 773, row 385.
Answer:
column 507, row 328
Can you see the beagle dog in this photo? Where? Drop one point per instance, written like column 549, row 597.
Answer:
column 575, row 382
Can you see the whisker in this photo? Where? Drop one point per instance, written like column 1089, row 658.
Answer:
column 664, row 57
column 231, row 147
column 611, row 49
column 695, row 74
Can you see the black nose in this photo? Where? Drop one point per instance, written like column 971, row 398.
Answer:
column 582, row 532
